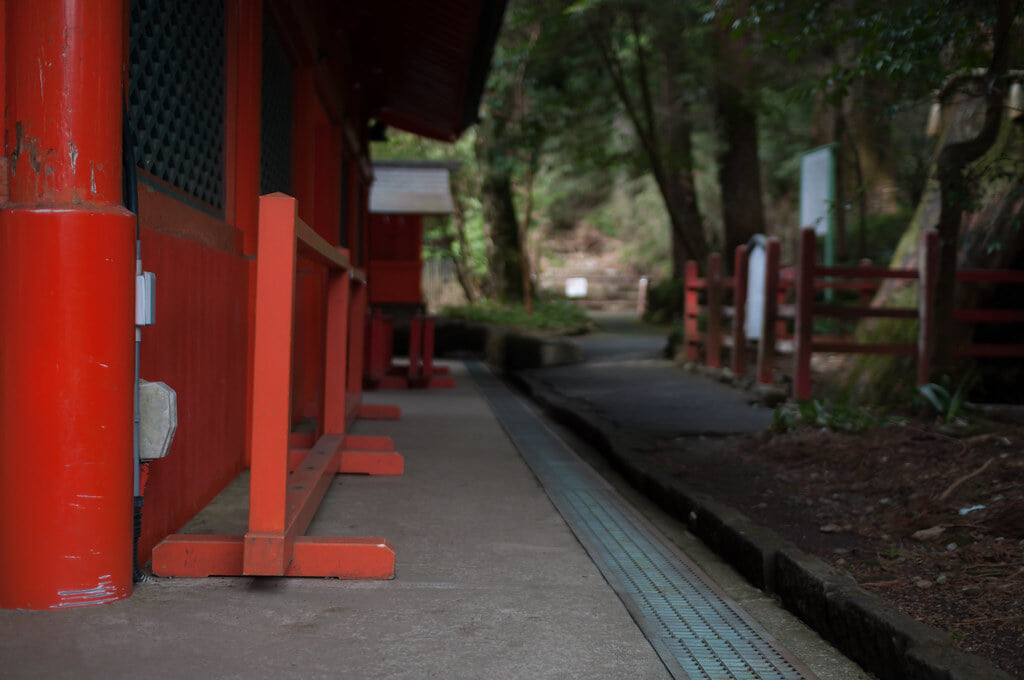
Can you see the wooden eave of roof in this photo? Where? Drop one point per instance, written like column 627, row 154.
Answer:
column 419, row 65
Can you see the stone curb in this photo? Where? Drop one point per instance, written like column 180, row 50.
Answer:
column 509, row 350
column 862, row 625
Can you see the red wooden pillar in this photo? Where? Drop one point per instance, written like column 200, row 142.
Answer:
column 335, row 361
column 415, row 346
column 691, row 302
column 67, row 265
column 356, row 340
column 307, row 361
column 928, row 264
column 713, row 346
column 739, row 304
column 804, row 314
column 245, row 73
column 766, row 346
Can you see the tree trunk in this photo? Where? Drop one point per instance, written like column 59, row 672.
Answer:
column 988, row 236
column 500, row 218
column 739, row 168
column 673, row 163
column 662, row 131
column 463, row 258
column 680, row 195
column 499, row 213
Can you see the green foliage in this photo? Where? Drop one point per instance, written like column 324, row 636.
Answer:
column 912, row 45
column 553, row 316
column 948, row 404
column 883, row 233
column 840, row 417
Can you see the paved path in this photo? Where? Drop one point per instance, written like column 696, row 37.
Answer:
column 636, row 408
column 491, row 583
column 628, row 383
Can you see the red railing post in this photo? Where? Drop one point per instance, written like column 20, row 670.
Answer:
column 691, row 302
column 766, row 346
column 713, row 345
column 804, row 314
column 284, row 493
column 928, row 269
column 266, row 551
column 739, row 304
column 428, row 347
column 415, row 346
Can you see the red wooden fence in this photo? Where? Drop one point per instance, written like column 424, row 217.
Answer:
column 811, row 278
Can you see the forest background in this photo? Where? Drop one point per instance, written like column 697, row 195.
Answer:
column 675, row 128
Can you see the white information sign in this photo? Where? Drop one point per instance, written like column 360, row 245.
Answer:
column 755, row 288
column 817, row 189
column 576, row 287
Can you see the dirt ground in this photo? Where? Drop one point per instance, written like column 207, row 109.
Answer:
column 931, row 520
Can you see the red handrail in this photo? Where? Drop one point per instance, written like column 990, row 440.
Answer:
column 286, row 486
column 812, row 277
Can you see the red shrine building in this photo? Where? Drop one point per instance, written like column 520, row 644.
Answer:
column 185, row 191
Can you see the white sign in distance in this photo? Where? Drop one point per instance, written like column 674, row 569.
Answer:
column 756, row 258
column 576, row 287
column 817, row 189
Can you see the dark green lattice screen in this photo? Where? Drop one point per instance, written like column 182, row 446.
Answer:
column 176, row 97
column 276, row 114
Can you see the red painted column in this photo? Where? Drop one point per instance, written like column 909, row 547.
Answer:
column 67, row 264
column 691, row 300
column 335, row 385
column 245, row 28
column 307, row 366
column 713, row 345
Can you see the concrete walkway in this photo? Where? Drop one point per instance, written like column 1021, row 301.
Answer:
column 627, row 382
column 490, row 583
column 628, row 402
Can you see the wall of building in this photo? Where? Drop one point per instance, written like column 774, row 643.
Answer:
column 204, row 260
column 198, row 346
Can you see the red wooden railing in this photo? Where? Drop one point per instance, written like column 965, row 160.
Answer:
column 287, row 482
column 717, row 314
column 811, row 278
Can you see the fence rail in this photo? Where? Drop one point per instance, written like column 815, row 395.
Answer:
column 706, row 298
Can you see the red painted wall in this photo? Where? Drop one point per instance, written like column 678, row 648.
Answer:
column 396, row 265
column 198, row 346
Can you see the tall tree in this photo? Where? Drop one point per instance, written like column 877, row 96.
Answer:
column 973, row 195
column 739, row 167
column 506, row 246
column 645, row 48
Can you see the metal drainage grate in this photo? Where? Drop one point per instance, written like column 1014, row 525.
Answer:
column 698, row 633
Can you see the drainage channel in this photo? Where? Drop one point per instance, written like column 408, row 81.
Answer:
column 698, row 632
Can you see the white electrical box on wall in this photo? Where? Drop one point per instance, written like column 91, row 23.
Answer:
column 158, row 419
column 145, row 299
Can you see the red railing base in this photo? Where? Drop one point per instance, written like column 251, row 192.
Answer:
column 289, row 552
column 187, row 556
column 378, row 412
